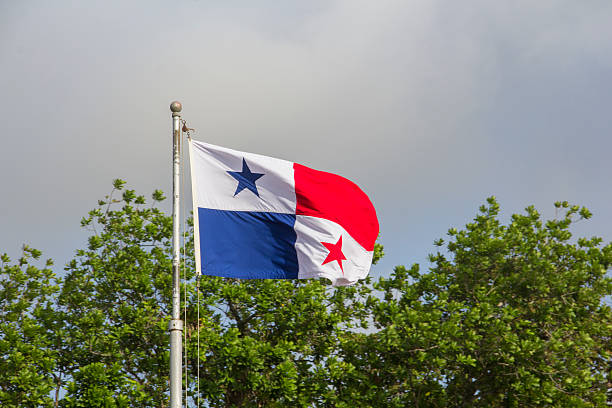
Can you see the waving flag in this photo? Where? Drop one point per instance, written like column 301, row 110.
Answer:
column 258, row 217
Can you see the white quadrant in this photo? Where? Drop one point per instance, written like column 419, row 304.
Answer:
column 214, row 187
column 312, row 232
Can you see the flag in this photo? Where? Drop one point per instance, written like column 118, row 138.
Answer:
column 257, row 217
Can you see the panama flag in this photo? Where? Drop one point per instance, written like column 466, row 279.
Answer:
column 257, row 217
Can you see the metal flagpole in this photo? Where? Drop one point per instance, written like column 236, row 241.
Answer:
column 176, row 324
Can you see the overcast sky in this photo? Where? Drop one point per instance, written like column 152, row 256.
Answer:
column 430, row 106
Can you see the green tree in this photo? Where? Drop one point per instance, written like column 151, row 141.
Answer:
column 509, row 315
column 268, row 343
column 506, row 316
column 113, row 306
column 263, row 343
column 28, row 359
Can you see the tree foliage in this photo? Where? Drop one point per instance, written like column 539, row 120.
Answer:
column 28, row 358
column 507, row 315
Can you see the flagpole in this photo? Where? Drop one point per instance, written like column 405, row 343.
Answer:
column 176, row 324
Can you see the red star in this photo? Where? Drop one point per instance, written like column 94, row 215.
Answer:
column 335, row 253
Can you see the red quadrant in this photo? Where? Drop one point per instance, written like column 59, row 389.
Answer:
column 334, row 198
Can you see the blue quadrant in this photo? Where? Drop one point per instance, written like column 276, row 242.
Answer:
column 247, row 244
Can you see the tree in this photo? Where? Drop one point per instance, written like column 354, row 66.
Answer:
column 511, row 315
column 28, row 359
column 268, row 343
column 507, row 315
column 114, row 306
column 263, row 343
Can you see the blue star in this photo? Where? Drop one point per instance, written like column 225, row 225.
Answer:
column 246, row 179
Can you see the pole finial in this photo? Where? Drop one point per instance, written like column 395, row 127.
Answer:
column 176, row 107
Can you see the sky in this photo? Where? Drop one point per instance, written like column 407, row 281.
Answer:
column 429, row 106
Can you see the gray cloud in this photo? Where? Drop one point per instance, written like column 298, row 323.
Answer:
column 430, row 106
